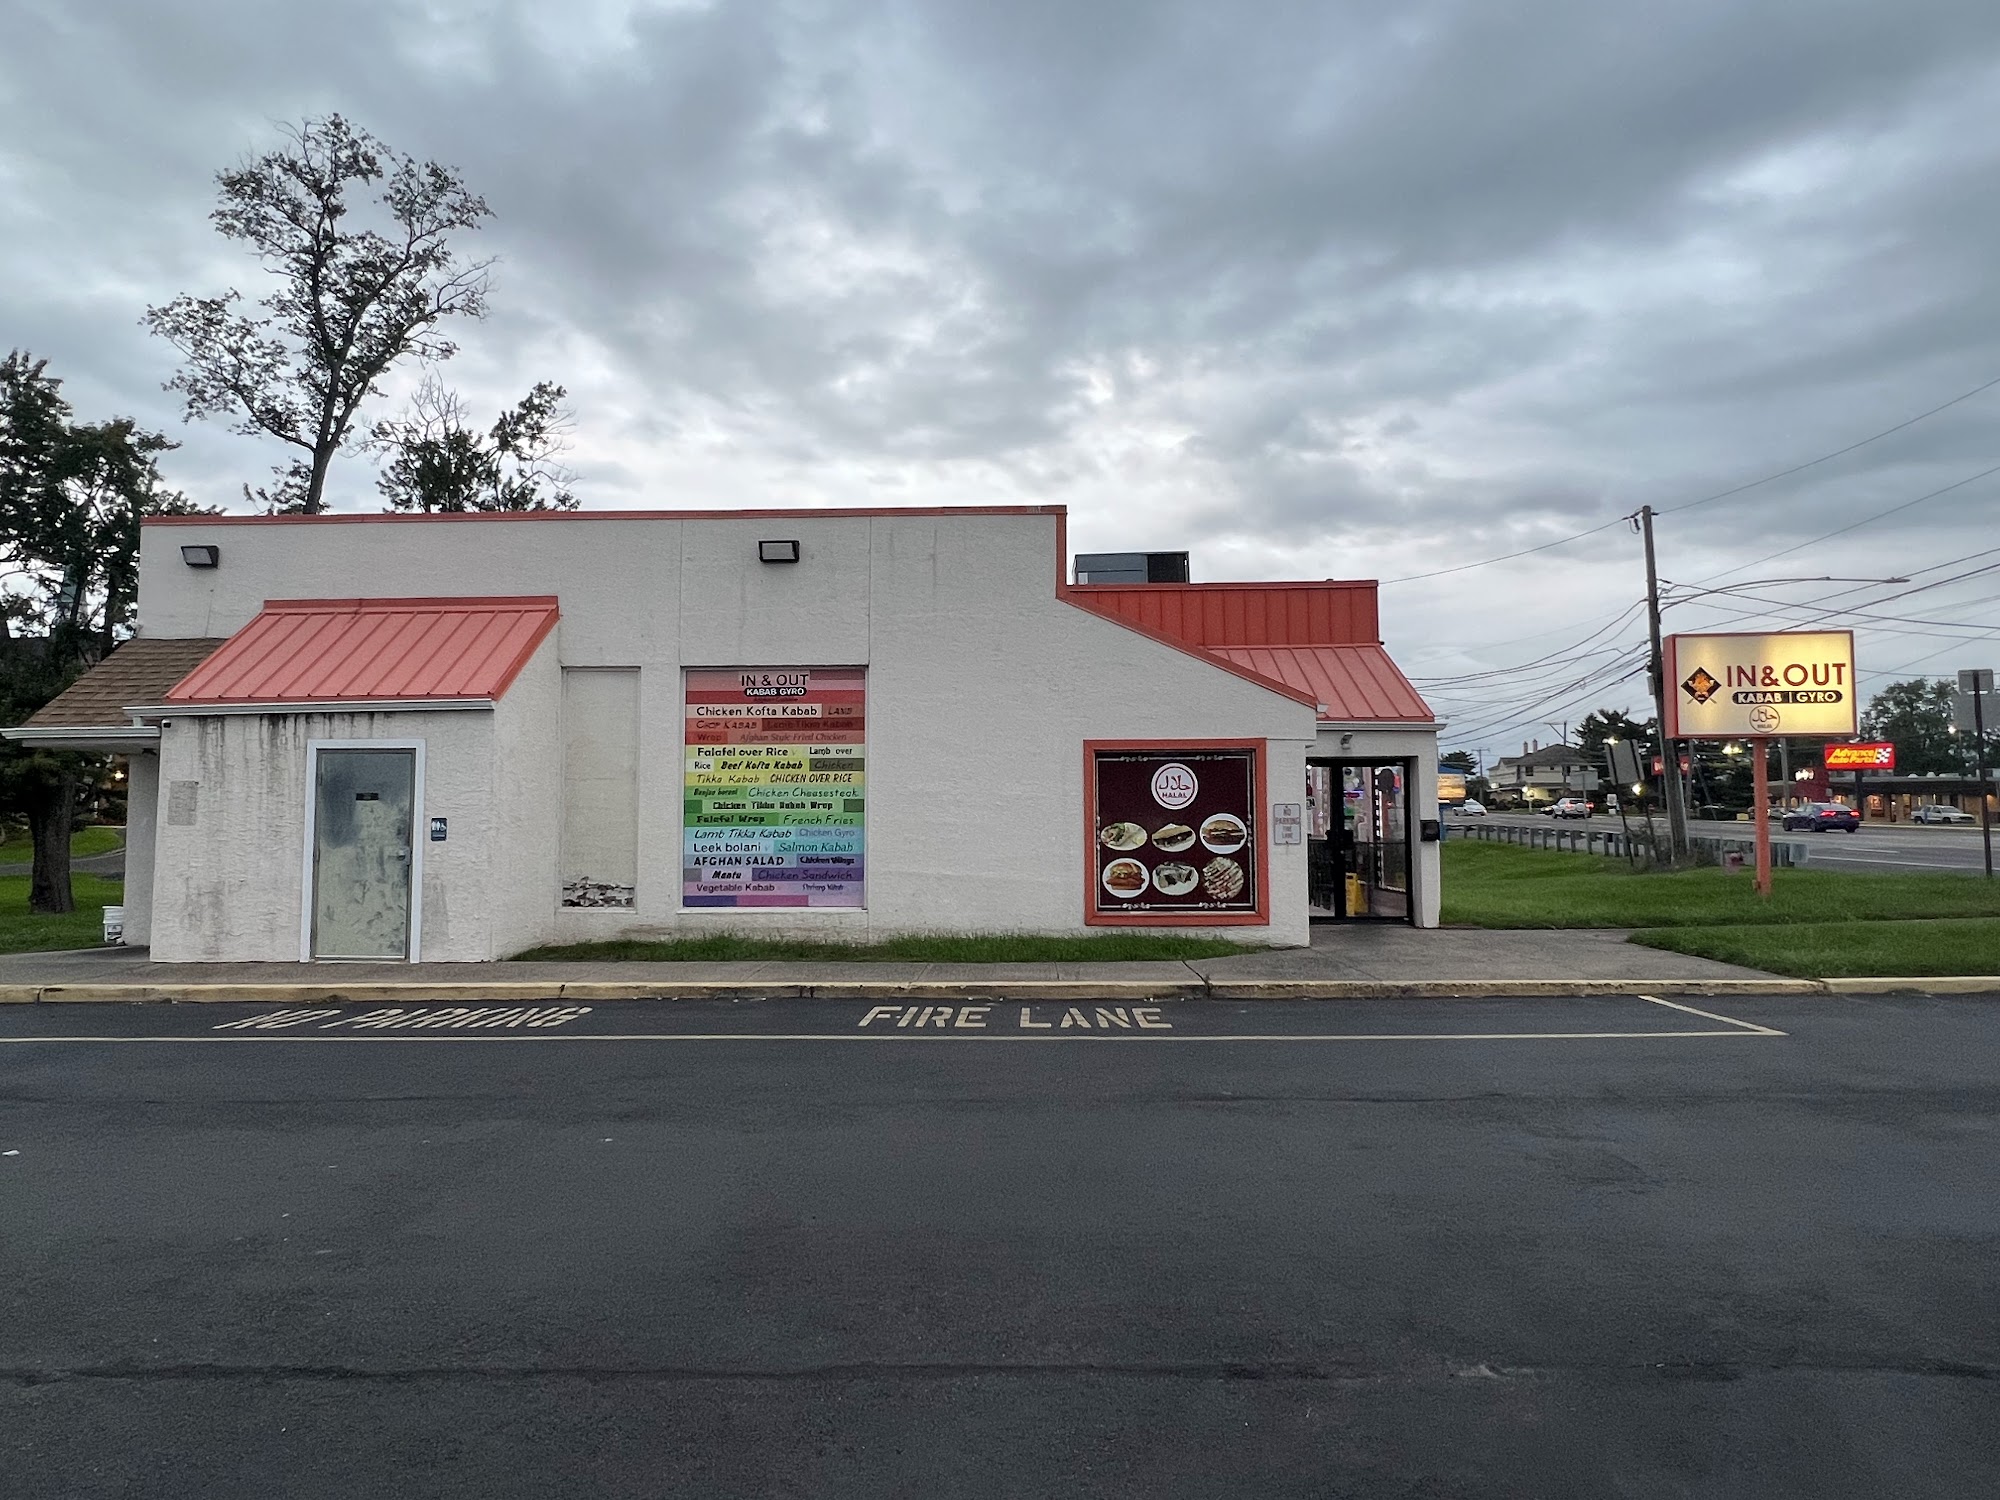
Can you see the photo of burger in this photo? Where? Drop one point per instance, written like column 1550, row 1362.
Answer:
column 1224, row 833
column 1173, row 837
column 1125, row 877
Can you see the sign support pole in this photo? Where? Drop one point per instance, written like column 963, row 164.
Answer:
column 1760, row 800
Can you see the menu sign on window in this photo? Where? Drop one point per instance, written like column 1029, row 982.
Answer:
column 775, row 787
column 1175, row 831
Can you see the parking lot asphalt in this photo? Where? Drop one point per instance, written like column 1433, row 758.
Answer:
column 1543, row 1248
column 1885, row 847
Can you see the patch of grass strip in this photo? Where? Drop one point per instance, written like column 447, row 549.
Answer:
column 21, row 932
column 1845, row 950
column 1499, row 885
column 934, row 948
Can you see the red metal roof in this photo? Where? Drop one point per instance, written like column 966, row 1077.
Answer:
column 367, row 650
column 1350, row 683
column 1338, row 613
column 1320, row 641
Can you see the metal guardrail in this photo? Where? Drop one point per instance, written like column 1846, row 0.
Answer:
column 1616, row 844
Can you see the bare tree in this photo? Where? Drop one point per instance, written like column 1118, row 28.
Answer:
column 436, row 461
column 350, row 301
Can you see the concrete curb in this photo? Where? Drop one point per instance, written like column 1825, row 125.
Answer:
column 1018, row 989
column 1965, row 984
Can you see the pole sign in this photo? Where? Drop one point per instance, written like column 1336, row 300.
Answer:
column 1792, row 682
column 1870, row 757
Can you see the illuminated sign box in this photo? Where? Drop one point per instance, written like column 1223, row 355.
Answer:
column 1743, row 685
column 1871, row 757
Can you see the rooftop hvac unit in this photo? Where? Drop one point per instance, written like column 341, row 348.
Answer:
column 1131, row 567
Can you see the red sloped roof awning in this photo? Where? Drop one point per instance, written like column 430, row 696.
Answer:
column 372, row 650
column 1350, row 683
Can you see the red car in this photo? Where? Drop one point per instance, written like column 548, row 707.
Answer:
column 1817, row 817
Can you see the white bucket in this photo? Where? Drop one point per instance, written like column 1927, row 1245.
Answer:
column 114, row 924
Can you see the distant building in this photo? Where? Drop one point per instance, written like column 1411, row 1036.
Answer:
column 1544, row 775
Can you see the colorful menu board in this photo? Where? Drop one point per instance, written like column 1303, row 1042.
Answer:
column 775, row 787
column 1176, row 831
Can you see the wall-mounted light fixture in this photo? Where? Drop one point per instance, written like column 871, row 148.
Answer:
column 778, row 552
column 203, row 556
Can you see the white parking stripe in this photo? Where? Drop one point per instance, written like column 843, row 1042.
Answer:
column 1708, row 1015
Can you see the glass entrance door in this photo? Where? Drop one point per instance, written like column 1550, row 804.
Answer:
column 363, row 805
column 1358, row 839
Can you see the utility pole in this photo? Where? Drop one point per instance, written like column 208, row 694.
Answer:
column 1670, row 764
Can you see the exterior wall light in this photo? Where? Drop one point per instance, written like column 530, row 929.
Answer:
column 203, row 556
column 778, row 552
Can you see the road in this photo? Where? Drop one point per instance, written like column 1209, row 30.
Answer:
column 1442, row 1248
column 1875, row 846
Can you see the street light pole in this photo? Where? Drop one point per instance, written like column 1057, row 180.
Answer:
column 1979, row 760
column 1670, row 765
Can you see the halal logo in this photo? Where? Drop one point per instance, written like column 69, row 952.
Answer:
column 1700, row 686
column 1764, row 719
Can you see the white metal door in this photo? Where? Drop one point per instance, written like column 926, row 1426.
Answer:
column 363, row 810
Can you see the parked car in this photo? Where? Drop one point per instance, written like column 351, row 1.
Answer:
column 1469, row 809
column 1937, row 812
column 1570, row 807
column 1817, row 817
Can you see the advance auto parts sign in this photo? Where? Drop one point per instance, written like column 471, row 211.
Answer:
column 1782, row 683
column 775, row 787
column 1175, row 832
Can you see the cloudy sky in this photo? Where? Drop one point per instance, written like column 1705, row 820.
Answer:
column 1355, row 288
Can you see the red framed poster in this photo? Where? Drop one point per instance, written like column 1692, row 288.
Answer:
column 1174, row 833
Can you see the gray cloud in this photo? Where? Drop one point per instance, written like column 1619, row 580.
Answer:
column 1346, row 289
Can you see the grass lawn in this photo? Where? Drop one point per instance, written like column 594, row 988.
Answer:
column 1822, row 950
column 83, row 928
column 938, row 948
column 86, row 841
column 18, row 850
column 1498, row 885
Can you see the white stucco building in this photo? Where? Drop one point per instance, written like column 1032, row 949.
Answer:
column 461, row 737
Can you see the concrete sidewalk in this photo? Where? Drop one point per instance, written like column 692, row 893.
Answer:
column 1342, row 962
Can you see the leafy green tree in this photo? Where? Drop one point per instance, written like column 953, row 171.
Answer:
column 71, row 499
column 1606, row 724
column 1915, row 717
column 350, row 302
column 436, row 461
column 1459, row 760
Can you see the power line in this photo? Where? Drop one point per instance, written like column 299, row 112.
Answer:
column 1719, row 495
column 1781, row 606
column 1828, row 457
column 1597, row 631
column 1508, row 557
column 1568, row 695
column 1856, row 526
